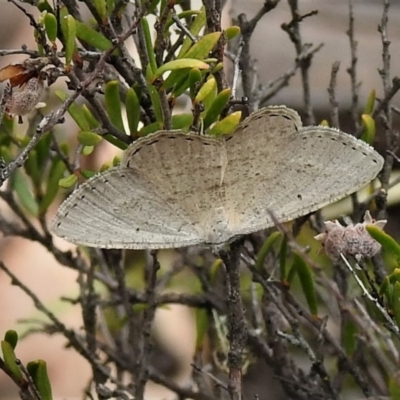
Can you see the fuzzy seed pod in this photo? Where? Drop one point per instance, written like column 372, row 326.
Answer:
column 25, row 98
column 351, row 241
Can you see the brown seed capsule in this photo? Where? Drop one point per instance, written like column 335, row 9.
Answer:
column 25, row 98
column 351, row 240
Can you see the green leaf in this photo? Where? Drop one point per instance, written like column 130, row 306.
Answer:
column 43, row 5
column 394, row 386
column 87, row 150
column 113, row 104
column 266, row 247
column 11, row 337
column 89, row 138
column 209, row 87
column 43, row 151
column 32, row 169
column 74, row 111
column 68, row 27
column 10, row 360
column 156, row 102
column 132, row 105
column 56, row 173
column 203, row 47
column 101, row 8
column 283, row 258
column 195, row 77
column 199, row 51
column 38, row 371
column 350, row 338
column 388, row 243
column 110, row 6
column 232, row 32
column 307, row 283
column 88, row 174
column 201, row 326
column 24, row 193
column 149, row 44
column 396, row 302
column 90, row 118
column 368, row 123
column 194, row 29
column 369, row 107
column 51, row 26
column 68, row 181
column 226, row 125
column 178, row 121
column 92, row 37
column 182, row 63
column 217, row 106
column 183, row 15
column 182, row 121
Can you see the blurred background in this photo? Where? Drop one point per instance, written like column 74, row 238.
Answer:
column 274, row 55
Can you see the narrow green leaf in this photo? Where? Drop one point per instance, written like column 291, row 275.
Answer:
column 369, row 106
column 113, row 104
column 388, row 243
column 266, row 247
column 38, row 371
column 350, row 339
column 87, row 150
column 394, row 386
column 101, row 8
column 283, row 259
column 110, row 6
column 68, row 181
column 56, row 173
column 307, row 283
column 201, row 326
column 149, row 44
column 23, row 191
column 43, row 151
column 199, row 51
column 368, row 123
column 51, row 26
column 396, row 302
column 203, row 47
column 9, row 360
column 43, row 5
column 217, row 106
column 156, row 102
column 183, row 15
column 90, row 118
column 195, row 77
column 32, row 169
column 89, row 138
column 11, row 337
column 194, row 29
column 182, row 121
column 209, row 87
column 226, row 125
column 232, row 32
column 68, row 27
column 182, row 63
column 132, row 105
column 88, row 174
column 74, row 111
column 92, row 37
column 178, row 121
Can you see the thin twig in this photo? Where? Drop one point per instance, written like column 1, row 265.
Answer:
column 334, row 104
column 352, row 70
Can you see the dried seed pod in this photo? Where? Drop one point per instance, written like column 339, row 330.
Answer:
column 351, row 241
column 25, row 98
